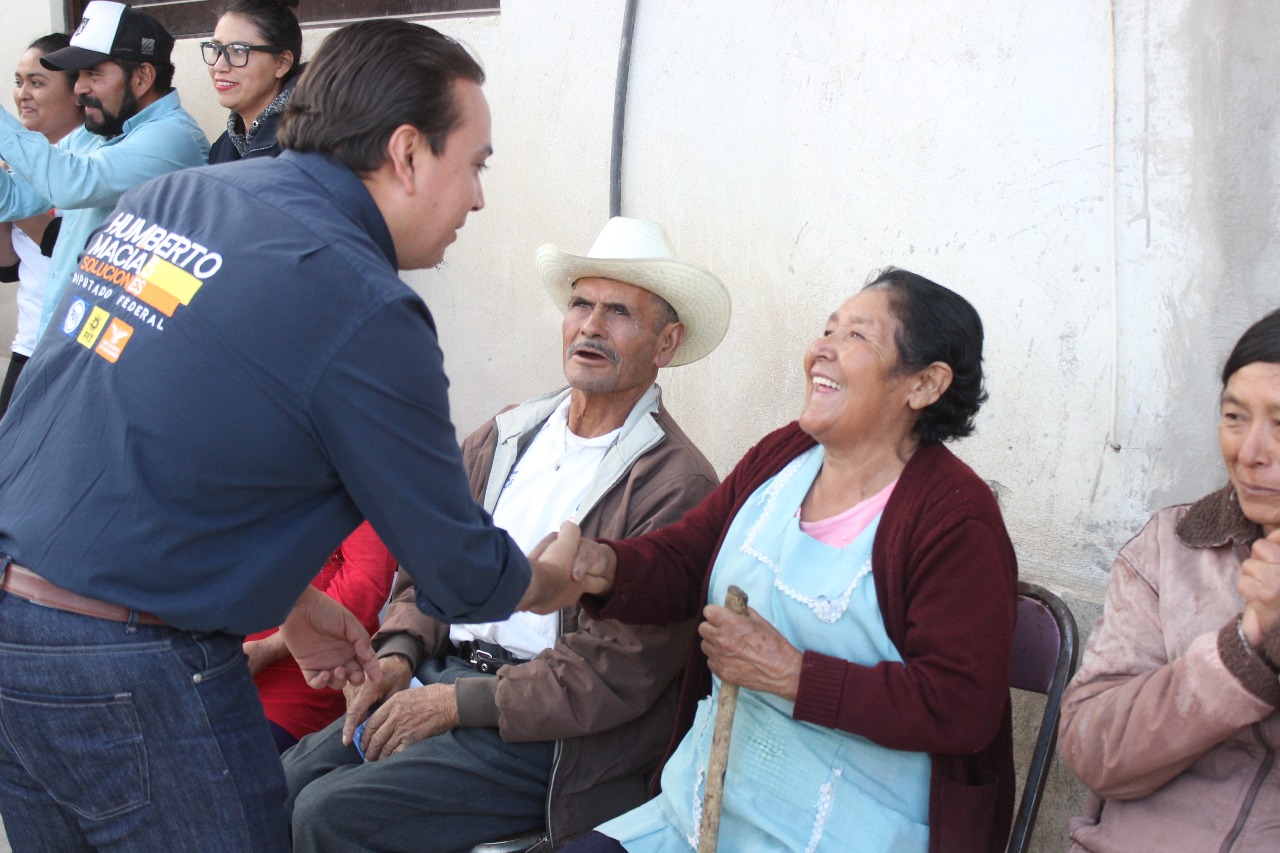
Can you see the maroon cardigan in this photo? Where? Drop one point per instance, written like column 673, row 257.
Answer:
column 946, row 579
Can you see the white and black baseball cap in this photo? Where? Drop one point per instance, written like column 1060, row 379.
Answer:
column 112, row 31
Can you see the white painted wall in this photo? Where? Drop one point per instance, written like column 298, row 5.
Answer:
column 1098, row 178
column 24, row 22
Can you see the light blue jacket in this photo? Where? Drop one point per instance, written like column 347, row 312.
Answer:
column 85, row 174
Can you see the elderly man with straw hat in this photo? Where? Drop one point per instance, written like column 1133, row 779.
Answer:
column 538, row 722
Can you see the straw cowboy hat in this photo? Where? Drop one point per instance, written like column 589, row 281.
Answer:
column 638, row 252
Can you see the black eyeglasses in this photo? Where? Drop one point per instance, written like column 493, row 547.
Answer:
column 237, row 53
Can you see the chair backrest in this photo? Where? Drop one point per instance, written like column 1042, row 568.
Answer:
column 1044, row 658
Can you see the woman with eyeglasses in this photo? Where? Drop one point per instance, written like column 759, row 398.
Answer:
column 254, row 63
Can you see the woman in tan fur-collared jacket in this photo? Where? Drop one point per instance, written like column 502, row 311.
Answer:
column 1171, row 721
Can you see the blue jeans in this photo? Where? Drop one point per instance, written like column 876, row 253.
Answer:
column 125, row 737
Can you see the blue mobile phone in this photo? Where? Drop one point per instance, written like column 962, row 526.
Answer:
column 358, row 738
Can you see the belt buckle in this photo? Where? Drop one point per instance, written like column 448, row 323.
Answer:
column 484, row 662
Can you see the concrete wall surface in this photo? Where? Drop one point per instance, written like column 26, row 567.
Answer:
column 1098, row 178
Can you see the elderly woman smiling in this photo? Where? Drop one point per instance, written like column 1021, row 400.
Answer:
column 874, row 661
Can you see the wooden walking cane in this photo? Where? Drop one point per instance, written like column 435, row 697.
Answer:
column 736, row 600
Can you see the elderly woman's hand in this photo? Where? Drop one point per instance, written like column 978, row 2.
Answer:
column 749, row 652
column 1259, row 585
column 595, row 566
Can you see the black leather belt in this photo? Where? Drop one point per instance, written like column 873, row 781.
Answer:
column 487, row 657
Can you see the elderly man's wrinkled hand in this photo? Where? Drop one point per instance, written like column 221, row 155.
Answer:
column 408, row 717
column 264, row 652
column 750, row 652
column 1259, row 585
column 330, row 645
column 396, row 676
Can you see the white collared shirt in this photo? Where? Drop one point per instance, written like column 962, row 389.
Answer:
column 545, row 487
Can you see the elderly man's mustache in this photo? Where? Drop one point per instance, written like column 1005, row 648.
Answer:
column 88, row 101
column 596, row 348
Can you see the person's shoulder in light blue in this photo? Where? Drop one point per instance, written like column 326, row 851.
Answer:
column 134, row 129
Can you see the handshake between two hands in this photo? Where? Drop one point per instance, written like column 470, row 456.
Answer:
column 333, row 650
column 566, row 567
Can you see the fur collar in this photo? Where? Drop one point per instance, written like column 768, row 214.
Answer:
column 1216, row 520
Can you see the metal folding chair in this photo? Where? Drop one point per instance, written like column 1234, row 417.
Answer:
column 1044, row 658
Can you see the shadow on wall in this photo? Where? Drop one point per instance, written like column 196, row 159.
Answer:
column 1232, row 161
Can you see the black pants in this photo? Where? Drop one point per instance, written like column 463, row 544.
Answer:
column 594, row 842
column 16, row 360
column 448, row 792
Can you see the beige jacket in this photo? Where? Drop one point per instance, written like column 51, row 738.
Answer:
column 606, row 691
column 1171, row 721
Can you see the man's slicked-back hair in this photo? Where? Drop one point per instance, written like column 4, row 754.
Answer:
column 369, row 78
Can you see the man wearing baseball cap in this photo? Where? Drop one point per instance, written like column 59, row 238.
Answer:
column 134, row 129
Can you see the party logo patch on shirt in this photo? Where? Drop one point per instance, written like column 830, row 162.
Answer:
column 75, row 314
column 113, row 342
column 93, row 327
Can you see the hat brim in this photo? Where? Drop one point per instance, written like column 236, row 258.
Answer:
column 72, row 59
column 699, row 298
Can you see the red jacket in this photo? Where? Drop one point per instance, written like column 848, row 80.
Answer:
column 946, row 580
column 358, row 576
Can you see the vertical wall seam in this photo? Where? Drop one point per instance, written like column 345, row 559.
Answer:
column 1114, row 426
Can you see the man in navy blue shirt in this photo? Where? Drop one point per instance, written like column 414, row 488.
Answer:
column 235, row 378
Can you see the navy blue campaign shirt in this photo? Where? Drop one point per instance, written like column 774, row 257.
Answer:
column 234, row 379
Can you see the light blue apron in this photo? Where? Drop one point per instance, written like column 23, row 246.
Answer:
column 793, row 785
